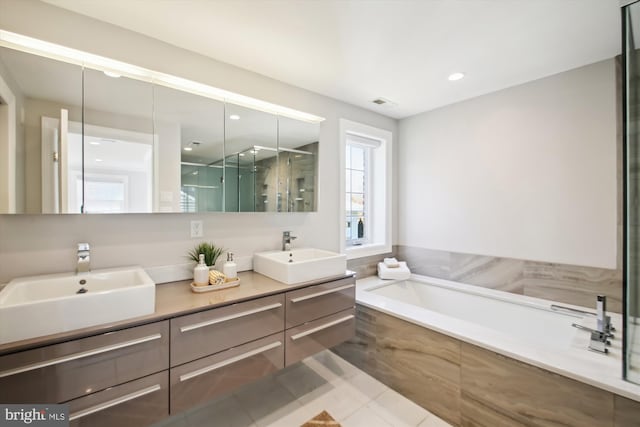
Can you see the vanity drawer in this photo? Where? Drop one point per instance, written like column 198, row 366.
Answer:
column 321, row 300
column 318, row 335
column 65, row 371
column 202, row 334
column 201, row 380
column 137, row 403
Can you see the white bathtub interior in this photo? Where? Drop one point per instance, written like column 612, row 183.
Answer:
column 525, row 321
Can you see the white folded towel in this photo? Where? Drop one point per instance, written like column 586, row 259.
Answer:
column 391, row 262
column 398, row 273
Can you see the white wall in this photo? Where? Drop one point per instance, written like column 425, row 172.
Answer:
column 32, row 244
column 528, row 172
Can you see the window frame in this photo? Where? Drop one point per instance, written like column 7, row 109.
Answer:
column 381, row 183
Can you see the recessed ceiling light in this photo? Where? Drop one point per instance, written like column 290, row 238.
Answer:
column 112, row 74
column 98, row 160
column 187, row 148
column 455, row 76
column 234, row 117
column 94, row 143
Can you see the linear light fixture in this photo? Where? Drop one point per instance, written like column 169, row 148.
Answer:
column 101, row 63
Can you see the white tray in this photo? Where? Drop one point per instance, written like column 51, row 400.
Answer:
column 209, row 288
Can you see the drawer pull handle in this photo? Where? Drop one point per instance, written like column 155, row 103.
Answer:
column 319, row 294
column 229, row 317
column 229, row 361
column 321, row 327
column 114, row 402
column 80, row 355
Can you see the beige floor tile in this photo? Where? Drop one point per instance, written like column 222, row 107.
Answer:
column 336, row 364
column 267, row 402
column 226, row 412
column 397, row 410
column 339, row 400
column 364, row 417
column 366, row 384
column 294, row 418
column 434, row 421
column 301, row 379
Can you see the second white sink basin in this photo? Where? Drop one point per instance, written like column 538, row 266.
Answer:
column 299, row 265
column 49, row 304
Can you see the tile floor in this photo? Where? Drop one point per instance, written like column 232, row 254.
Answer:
column 296, row 394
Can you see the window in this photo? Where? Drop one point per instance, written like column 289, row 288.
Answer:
column 357, row 159
column 366, row 183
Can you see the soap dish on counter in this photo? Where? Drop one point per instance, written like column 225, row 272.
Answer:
column 209, row 288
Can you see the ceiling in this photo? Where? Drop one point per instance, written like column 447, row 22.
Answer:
column 402, row 50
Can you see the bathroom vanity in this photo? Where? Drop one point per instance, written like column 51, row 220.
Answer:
column 193, row 348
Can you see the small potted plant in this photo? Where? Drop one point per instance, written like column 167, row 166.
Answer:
column 211, row 253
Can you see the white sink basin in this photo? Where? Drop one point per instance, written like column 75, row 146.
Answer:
column 299, row 265
column 49, row 304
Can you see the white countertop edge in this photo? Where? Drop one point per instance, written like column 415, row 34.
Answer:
column 602, row 371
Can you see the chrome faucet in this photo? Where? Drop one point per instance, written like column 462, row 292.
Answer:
column 84, row 258
column 286, row 240
column 604, row 329
column 603, row 321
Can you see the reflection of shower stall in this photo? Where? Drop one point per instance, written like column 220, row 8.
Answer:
column 631, row 258
column 258, row 179
column 265, row 179
column 240, row 182
column 298, row 176
column 201, row 187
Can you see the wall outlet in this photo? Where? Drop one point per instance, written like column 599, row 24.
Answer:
column 197, row 229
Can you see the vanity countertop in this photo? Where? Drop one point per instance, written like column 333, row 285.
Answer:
column 176, row 299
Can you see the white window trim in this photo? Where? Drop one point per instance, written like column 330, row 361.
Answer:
column 381, row 208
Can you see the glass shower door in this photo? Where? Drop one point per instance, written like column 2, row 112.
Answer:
column 631, row 29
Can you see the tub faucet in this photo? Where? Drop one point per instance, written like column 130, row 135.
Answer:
column 599, row 339
column 286, row 240
column 603, row 321
column 84, row 259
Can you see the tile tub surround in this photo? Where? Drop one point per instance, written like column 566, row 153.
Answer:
column 467, row 385
column 390, row 333
column 367, row 266
column 569, row 284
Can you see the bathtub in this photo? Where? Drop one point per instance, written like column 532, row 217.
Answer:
column 532, row 330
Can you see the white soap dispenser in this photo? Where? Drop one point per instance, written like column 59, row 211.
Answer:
column 201, row 273
column 229, row 268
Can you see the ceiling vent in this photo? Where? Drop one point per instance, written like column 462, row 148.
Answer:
column 384, row 102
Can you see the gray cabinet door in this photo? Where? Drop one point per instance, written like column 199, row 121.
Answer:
column 321, row 300
column 65, row 371
column 208, row 332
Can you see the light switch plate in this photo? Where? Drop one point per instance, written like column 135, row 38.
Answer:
column 197, row 229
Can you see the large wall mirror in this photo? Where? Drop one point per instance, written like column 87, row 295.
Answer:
column 80, row 140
